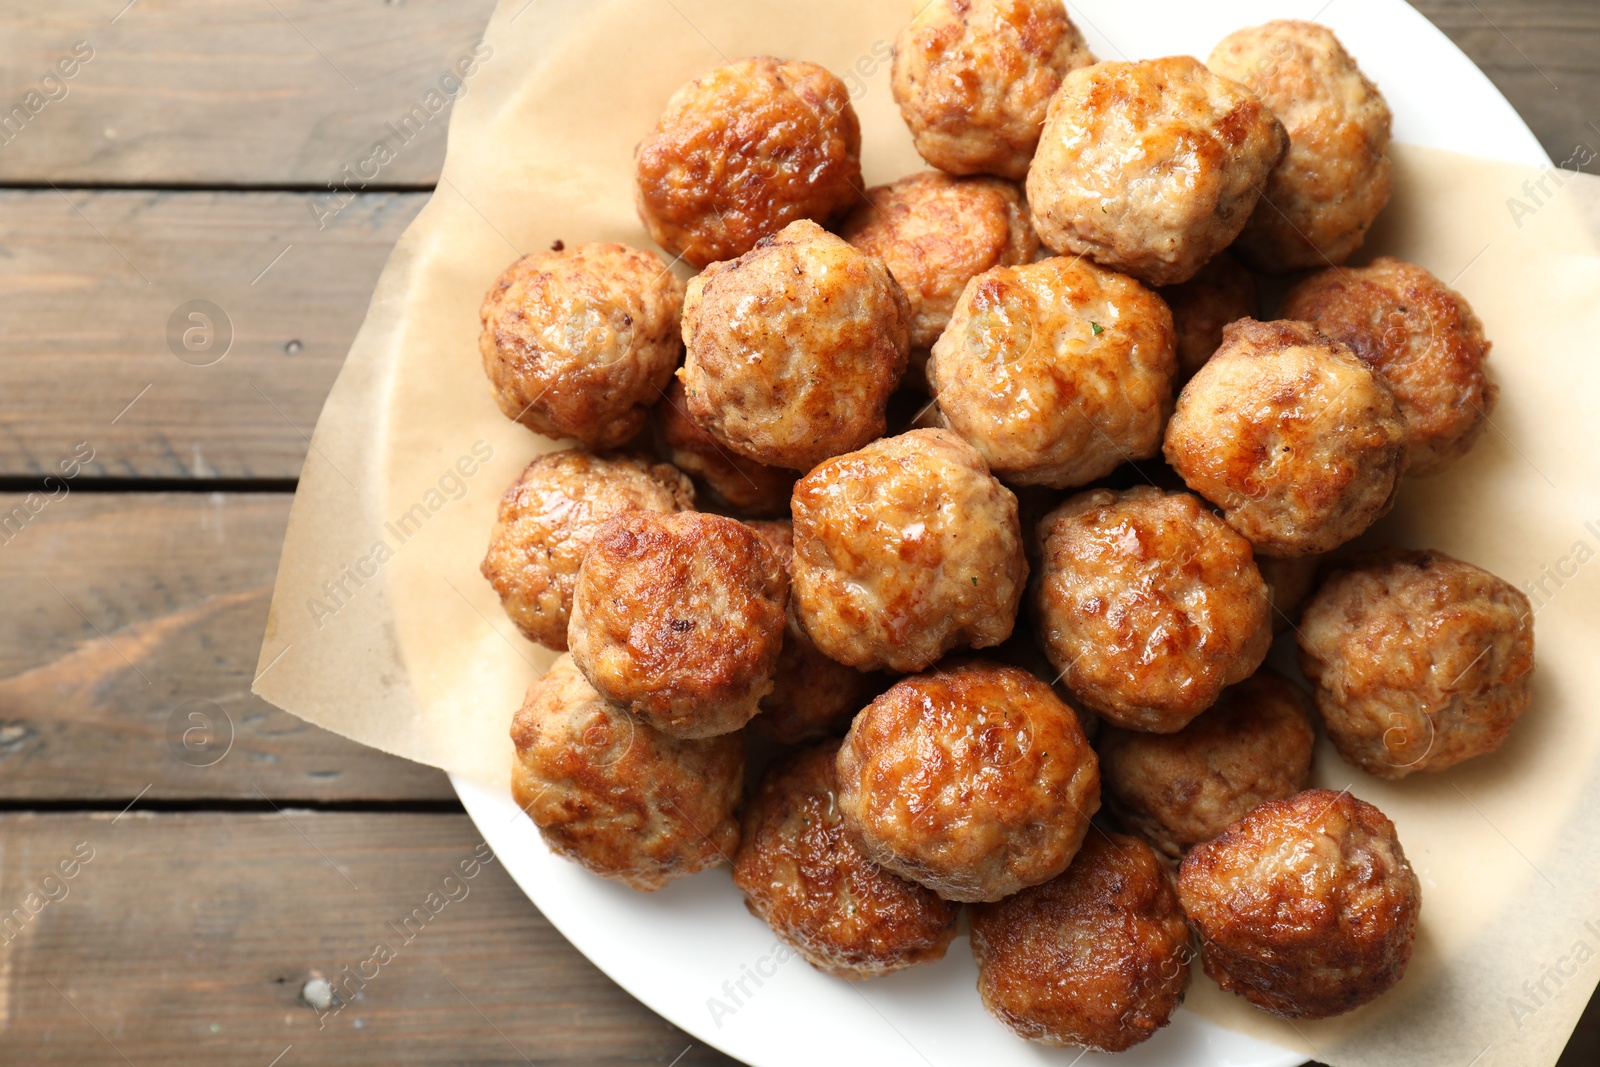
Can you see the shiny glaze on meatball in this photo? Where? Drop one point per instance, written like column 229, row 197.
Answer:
column 617, row 796
column 974, row 780
column 802, row 876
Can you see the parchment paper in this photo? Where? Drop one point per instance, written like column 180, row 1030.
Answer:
column 382, row 630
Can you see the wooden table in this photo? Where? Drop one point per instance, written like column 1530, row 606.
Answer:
column 222, row 852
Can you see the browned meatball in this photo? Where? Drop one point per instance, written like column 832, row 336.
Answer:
column 1096, row 957
column 973, row 79
column 744, row 150
column 679, row 618
column 1289, row 581
column 1149, row 605
column 1321, row 199
column 548, row 519
column 905, row 550
column 1419, row 660
column 974, row 780
column 1222, row 292
column 578, row 343
column 1421, row 336
column 812, row 696
column 1022, row 650
column 800, row 874
column 1177, row 790
column 1306, row 906
column 794, row 348
column 624, row 800
column 744, row 485
column 1057, row 372
column 935, row 233
column 1299, row 442
column 1150, row 168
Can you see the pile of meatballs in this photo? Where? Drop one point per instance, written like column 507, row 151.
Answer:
column 967, row 507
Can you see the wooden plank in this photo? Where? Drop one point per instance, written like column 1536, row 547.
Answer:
column 127, row 651
column 95, row 293
column 1544, row 56
column 220, row 92
column 229, row 92
column 187, row 938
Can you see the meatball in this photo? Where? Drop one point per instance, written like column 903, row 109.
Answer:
column 794, row 348
column 935, row 233
column 1222, row 292
column 1299, row 442
column 1057, row 372
column 1321, row 199
column 1289, row 582
column 578, row 343
column 905, row 550
column 678, row 619
column 1421, row 337
column 1096, row 957
column 812, row 696
column 617, row 796
column 548, row 519
column 744, row 150
column 799, row 873
column 1149, row 605
column 1178, row 790
column 1419, row 660
column 1306, row 906
column 744, row 485
column 1150, row 168
column 1022, row 650
column 974, row 780
column 973, row 79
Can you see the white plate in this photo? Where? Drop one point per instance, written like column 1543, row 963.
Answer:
column 693, row 953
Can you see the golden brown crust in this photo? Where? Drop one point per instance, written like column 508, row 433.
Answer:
column 1419, row 660
column 578, row 343
column 745, row 486
column 974, row 780
column 1150, row 168
column 1336, row 177
column 905, row 550
column 679, row 618
column 1421, row 337
column 1179, row 790
column 1306, row 907
column 1149, row 605
column 973, row 79
column 794, row 347
column 935, row 233
column 1057, row 372
column 548, row 518
column 744, row 150
column 1298, row 441
column 1221, row 292
column 812, row 695
column 1097, row 957
column 799, row 873
column 624, row 800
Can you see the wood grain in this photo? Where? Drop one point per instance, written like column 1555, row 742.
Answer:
column 229, row 92
column 187, row 938
column 127, row 651
column 89, row 283
column 290, row 92
column 1544, row 56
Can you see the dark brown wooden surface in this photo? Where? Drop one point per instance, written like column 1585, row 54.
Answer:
column 187, row 938
column 128, row 671
column 185, row 157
